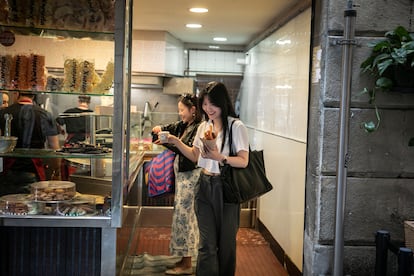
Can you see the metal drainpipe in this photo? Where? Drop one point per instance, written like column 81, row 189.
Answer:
column 347, row 42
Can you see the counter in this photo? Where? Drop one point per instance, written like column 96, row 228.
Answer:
column 93, row 238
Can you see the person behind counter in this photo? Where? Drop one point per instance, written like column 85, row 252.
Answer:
column 218, row 221
column 184, row 229
column 33, row 126
column 77, row 127
column 5, row 99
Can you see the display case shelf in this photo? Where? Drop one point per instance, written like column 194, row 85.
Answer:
column 47, row 153
column 58, row 33
column 57, row 92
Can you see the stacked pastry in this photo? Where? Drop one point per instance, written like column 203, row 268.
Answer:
column 81, row 76
column 106, row 80
column 80, row 205
column 36, row 72
column 20, row 204
column 6, row 62
column 19, row 72
column 70, row 72
column 87, row 77
column 45, row 13
column 16, row 12
column 53, row 190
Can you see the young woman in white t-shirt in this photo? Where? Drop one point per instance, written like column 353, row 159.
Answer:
column 218, row 221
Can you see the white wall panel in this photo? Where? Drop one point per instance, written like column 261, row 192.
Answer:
column 278, row 74
column 274, row 104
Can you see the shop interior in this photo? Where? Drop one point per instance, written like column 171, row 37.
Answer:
column 167, row 60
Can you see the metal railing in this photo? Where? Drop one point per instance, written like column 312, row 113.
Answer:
column 404, row 255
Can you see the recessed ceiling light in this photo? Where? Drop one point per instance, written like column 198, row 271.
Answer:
column 194, row 26
column 220, row 39
column 199, row 10
column 214, row 47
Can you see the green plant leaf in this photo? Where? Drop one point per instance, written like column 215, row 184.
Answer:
column 384, row 83
column 375, row 43
column 364, row 91
column 390, row 58
column 402, row 34
column 367, row 64
column 383, row 65
column 399, row 55
column 408, row 45
column 370, row 126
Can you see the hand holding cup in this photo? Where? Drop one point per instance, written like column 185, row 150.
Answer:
column 163, row 136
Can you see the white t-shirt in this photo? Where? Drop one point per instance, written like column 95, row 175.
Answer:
column 240, row 142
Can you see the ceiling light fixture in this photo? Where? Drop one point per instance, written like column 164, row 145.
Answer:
column 193, row 26
column 214, row 47
column 199, row 10
column 220, row 39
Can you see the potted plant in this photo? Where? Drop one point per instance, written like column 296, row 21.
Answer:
column 391, row 63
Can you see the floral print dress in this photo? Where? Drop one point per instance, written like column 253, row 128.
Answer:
column 184, row 228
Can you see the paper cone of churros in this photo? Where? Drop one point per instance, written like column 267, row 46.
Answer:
column 209, row 138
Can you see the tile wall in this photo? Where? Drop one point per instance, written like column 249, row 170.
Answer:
column 215, row 62
column 157, row 52
column 274, row 105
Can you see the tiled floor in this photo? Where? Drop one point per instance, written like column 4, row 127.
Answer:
column 151, row 258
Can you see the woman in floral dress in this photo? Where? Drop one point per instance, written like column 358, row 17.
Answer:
column 184, row 228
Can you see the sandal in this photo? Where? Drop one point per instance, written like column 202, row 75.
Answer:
column 179, row 271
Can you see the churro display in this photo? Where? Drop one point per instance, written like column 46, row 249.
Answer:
column 20, row 204
column 80, row 76
column 29, row 72
column 106, row 80
column 23, row 72
column 52, row 191
column 86, row 78
column 70, row 74
column 36, row 72
column 19, row 72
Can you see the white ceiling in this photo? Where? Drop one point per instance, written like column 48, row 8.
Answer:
column 241, row 21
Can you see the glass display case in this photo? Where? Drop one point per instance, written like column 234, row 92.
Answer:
column 50, row 49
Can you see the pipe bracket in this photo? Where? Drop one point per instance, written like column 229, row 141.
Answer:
column 342, row 41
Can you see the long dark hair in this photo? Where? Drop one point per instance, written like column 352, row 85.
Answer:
column 219, row 96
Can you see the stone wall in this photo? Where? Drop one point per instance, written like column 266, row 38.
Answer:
column 380, row 188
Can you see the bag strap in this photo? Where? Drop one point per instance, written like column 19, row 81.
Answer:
column 231, row 138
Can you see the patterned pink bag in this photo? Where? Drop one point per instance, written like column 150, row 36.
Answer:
column 160, row 170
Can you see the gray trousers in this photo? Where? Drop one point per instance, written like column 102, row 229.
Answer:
column 218, row 223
